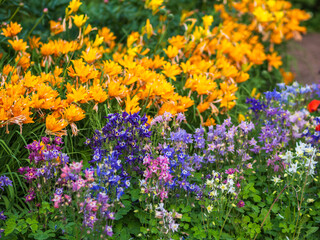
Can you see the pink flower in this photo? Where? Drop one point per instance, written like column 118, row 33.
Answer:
column 154, row 168
column 78, row 184
column 146, row 160
column 163, row 194
column 147, row 174
column 67, row 197
column 89, row 175
column 92, row 206
column 65, row 171
column 76, row 166
column 29, row 197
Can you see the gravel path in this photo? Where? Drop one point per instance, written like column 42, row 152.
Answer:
column 306, row 58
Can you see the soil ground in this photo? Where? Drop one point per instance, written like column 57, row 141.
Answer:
column 305, row 61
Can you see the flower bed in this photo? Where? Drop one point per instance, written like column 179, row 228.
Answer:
column 171, row 133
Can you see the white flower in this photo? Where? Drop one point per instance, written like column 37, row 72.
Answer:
column 287, row 157
column 174, row 227
column 293, row 168
column 230, row 182
column 210, row 183
column 276, row 179
column 231, row 190
column 143, row 183
column 213, row 193
column 209, row 208
column 223, row 187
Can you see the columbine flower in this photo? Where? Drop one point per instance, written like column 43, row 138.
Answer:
column 108, row 230
column 76, row 166
column 209, row 208
column 240, row 204
column 276, row 180
column 2, row 216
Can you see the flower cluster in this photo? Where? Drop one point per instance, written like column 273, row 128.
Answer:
column 45, row 157
column 209, row 59
column 125, row 134
column 168, row 222
column 157, row 170
column 301, row 161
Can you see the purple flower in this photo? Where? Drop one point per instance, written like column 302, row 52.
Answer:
column 2, row 216
column 5, row 181
column 240, row 204
column 108, row 230
column 180, row 117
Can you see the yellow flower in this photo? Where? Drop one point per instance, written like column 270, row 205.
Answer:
column 154, row 5
column 207, row 21
column 148, row 29
column 241, row 118
column 73, row 6
column 79, row 20
column 172, row 51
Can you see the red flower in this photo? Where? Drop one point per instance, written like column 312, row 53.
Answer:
column 318, row 128
column 313, row 105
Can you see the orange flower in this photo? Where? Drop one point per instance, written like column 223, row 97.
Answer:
column 132, row 105
column 178, row 41
column 108, row 36
column 56, row 27
column 274, row 61
column 98, row 94
column 34, row 42
column 171, row 70
column 91, row 55
column 11, row 30
column 203, row 107
column 209, row 122
column 55, row 126
column 287, row 76
column 73, row 113
column 227, row 101
column 18, row 45
column 23, row 61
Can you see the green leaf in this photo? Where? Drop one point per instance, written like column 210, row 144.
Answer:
column 186, row 209
column 275, row 208
column 135, row 193
column 311, row 230
column 10, row 226
column 256, row 198
column 186, row 218
column 34, row 227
